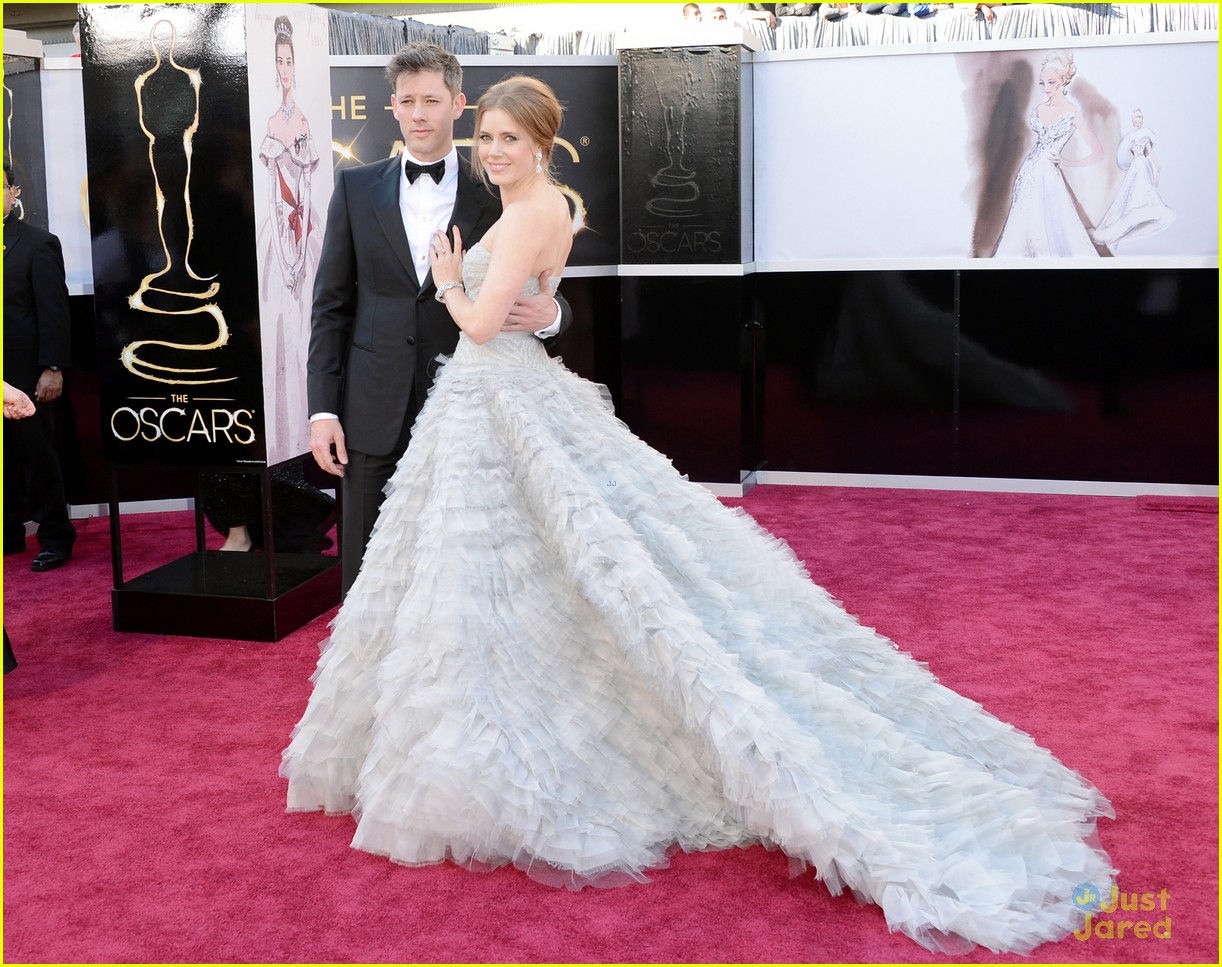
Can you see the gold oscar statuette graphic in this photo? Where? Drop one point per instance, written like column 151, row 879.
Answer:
column 8, row 124
column 135, row 355
column 574, row 197
column 18, row 209
column 676, row 182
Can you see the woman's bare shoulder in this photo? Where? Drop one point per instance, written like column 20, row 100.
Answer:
column 534, row 214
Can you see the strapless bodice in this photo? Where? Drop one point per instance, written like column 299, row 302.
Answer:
column 521, row 347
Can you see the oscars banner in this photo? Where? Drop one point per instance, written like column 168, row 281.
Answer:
column 681, row 110
column 1089, row 152
column 172, row 226
column 290, row 133
column 586, row 159
column 23, row 136
column 209, row 161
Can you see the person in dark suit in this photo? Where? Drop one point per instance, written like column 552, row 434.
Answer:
column 377, row 327
column 36, row 340
column 17, row 406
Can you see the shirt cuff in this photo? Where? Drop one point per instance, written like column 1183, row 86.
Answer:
column 323, row 416
column 554, row 328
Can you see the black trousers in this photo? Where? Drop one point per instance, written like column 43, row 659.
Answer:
column 34, row 484
column 364, row 489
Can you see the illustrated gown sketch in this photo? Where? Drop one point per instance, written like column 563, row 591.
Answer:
column 1043, row 221
column 1138, row 209
column 291, row 253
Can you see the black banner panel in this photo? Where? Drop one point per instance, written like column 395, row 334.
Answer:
column 585, row 162
column 170, row 197
column 682, row 147
column 23, row 137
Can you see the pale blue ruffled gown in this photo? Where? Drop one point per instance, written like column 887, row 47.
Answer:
column 561, row 654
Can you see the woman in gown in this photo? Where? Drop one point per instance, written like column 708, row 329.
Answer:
column 291, row 250
column 560, row 654
column 1044, row 221
column 1138, row 209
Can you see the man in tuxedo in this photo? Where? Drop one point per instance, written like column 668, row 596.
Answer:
column 37, row 330
column 377, row 328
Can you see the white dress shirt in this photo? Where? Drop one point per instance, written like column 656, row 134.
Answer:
column 426, row 208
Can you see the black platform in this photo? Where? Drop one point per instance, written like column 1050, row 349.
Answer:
column 221, row 594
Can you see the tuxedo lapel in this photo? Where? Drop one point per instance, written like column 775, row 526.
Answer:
column 384, row 197
column 470, row 203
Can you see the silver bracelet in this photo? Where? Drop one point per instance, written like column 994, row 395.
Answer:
column 446, row 287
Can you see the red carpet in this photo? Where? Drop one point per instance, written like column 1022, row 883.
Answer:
column 144, row 822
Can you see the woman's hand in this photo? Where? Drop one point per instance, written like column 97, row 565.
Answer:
column 17, row 405
column 446, row 259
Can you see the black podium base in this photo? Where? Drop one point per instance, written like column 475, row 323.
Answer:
column 222, row 594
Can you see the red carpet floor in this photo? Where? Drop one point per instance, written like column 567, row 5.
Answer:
column 144, row 820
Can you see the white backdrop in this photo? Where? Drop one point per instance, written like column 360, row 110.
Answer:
column 876, row 157
column 63, row 106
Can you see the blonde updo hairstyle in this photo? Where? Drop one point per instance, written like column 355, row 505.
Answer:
column 1061, row 61
column 532, row 105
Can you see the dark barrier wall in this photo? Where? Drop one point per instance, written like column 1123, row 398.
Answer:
column 585, row 162
column 170, row 191
column 1043, row 374
column 690, row 366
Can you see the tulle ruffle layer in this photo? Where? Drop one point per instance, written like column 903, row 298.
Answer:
column 560, row 654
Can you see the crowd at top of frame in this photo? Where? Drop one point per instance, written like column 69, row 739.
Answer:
column 768, row 12
column 791, row 27
column 795, row 26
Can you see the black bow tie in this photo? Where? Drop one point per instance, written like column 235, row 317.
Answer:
column 434, row 171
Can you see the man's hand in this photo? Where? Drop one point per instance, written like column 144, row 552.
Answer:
column 325, row 435
column 49, row 387
column 530, row 313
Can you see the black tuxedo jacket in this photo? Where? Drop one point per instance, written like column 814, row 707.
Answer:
column 37, row 326
column 376, row 330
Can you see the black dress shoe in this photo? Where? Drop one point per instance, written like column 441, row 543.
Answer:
column 49, row 560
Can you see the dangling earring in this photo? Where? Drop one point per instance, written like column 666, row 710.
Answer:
column 539, row 163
